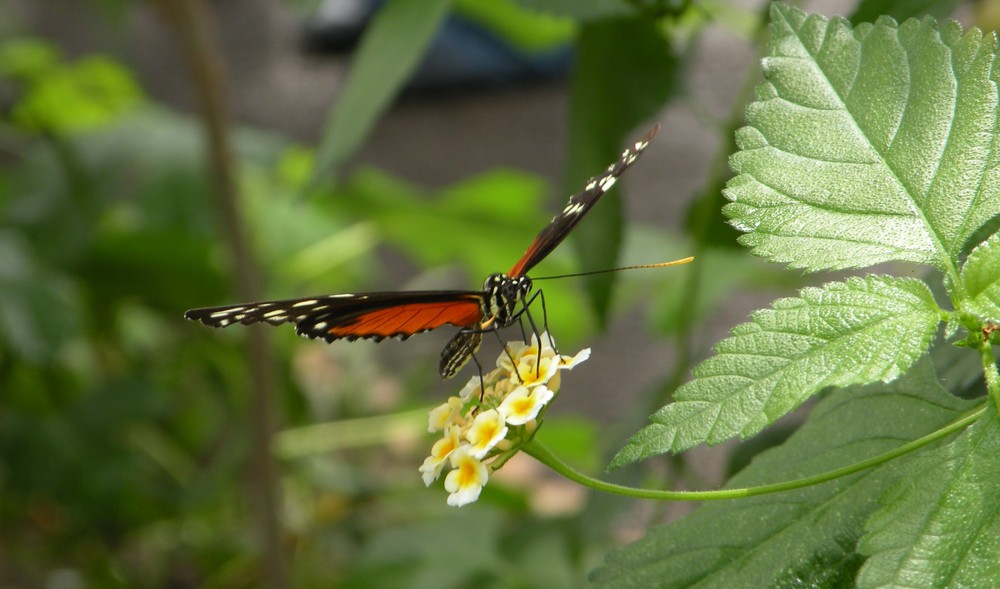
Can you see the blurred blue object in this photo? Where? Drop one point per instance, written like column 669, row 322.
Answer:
column 463, row 55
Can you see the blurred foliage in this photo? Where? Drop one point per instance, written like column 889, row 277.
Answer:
column 123, row 442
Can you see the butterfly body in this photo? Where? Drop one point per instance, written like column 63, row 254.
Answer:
column 378, row 315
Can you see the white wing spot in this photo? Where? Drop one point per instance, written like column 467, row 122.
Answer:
column 224, row 322
column 305, row 303
column 607, row 182
column 239, row 317
column 321, row 325
column 226, row 312
column 273, row 314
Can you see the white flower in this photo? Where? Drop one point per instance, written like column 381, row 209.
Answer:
column 487, row 429
column 430, row 470
column 570, row 362
column 523, row 404
column 466, row 481
column 493, row 415
column 444, row 414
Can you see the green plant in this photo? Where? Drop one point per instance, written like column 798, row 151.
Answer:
column 865, row 145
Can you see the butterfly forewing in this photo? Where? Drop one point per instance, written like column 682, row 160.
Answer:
column 578, row 206
column 353, row 316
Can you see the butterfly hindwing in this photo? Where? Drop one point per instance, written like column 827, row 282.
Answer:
column 578, row 206
column 352, row 316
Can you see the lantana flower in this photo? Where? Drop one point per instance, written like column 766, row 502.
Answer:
column 494, row 415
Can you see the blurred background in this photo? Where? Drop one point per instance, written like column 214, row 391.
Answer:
column 159, row 155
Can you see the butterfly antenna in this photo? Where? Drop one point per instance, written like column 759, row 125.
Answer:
column 637, row 267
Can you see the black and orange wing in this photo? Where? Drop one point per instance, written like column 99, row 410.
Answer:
column 578, row 206
column 352, row 316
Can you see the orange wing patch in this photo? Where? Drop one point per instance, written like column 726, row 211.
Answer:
column 409, row 318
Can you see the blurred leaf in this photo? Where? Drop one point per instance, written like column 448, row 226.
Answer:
column 582, row 11
column 867, row 145
column 390, row 50
column 442, row 552
column 870, row 10
column 940, row 524
column 573, row 439
column 39, row 309
column 725, row 273
column 483, row 222
column 625, row 71
column 74, row 97
column 802, row 536
column 27, row 58
column 161, row 269
column 524, row 30
column 845, row 333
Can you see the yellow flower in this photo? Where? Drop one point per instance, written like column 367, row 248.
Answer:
column 468, row 478
column 487, row 429
column 444, row 414
column 430, row 470
column 523, row 404
column 493, row 415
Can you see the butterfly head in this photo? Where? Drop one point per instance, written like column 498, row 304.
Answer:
column 502, row 295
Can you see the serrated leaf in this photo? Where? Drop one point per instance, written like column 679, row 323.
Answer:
column 940, row 524
column 867, row 144
column 981, row 277
column 869, row 10
column 800, row 538
column 854, row 332
column 391, row 48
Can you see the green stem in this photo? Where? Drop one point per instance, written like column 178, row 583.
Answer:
column 990, row 371
column 541, row 453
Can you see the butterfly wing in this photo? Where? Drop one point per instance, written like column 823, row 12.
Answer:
column 578, row 206
column 352, row 316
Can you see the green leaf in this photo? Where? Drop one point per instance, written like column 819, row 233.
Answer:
column 940, row 524
column 39, row 309
column 981, row 278
column 804, row 537
column 391, row 48
column 89, row 93
column 854, row 332
column 869, row 10
column 524, row 30
column 625, row 71
column 867, row 144
column 575, row 9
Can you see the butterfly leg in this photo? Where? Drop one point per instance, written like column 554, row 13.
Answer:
column 458, row 351
column 525, row 311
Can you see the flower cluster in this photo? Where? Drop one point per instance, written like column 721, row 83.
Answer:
column 493, row 415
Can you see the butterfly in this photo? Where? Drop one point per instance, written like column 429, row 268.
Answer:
column 377, row 315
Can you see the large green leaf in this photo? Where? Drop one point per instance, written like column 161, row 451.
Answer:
column 390, row 50
column 801, row 538
column 853, row 332
column 940, row 525
column 869, row 10
column 625, row 71
column 981, row 278
column 868, row 144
